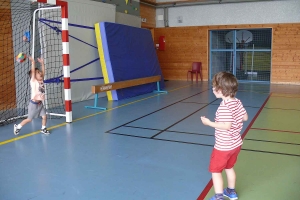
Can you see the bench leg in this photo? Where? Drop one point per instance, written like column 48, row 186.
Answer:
column 95, row 104
column 158, row 89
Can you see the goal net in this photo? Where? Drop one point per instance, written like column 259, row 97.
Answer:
column 34, row 29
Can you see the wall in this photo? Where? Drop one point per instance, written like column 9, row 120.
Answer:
column 86, row 13
column 263, row 12
column 285, row 54
column 148, row 13
column 184, row 45
column 130, row 20
column 130, row 7
column 7, row 80
column 187, row 44
column 14, row 24
column 160, row 12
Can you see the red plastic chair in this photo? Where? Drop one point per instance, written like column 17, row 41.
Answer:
column 196, row 69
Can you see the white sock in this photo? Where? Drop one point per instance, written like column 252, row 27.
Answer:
column 43, row 127
column 19, row 126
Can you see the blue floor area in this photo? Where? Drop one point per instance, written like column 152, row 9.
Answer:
column 152, row 146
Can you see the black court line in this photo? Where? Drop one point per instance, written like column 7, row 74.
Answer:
column 156, row 111
column 273, row 141
column 251, row 107
column 153, row 129
column 193, row 102
column 215, row 104
column 286, row 96
column 177, row 141
column 243, row 105
column 200, row 144
column 273, row 130
column 282, row 109
column 243, row 135
column 182, row 119
column 271, row 152
column 136, row 136
column 251, row 91
column 203, row 134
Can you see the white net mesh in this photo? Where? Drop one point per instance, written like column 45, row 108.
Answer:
column 17, row 34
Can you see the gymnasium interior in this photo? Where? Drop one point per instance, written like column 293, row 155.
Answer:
column 126, row 82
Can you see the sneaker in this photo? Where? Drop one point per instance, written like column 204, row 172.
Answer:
column 232, row 195
column 45, row 131
column 16, row 130
column 215, row 198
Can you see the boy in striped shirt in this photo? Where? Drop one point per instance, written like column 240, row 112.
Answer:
column 228, row 124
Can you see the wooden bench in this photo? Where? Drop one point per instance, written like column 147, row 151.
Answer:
column 123, row 84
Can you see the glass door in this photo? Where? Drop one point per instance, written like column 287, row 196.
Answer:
column 245, row 53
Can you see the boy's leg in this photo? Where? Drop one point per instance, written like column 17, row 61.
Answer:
column 231, row 176
column 32, row 112
column 217, row 164
column 44, row 122
column 218, row 186
column 18, row 127
column 25, row 121
column 230, row 190
column 218, row 182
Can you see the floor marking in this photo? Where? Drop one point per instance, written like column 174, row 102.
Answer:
column 182, row 119
column 85, row 117
column 281, row 109
column 273, row 130
column 166, row 140
column 156, row 111
column 271, row 152
column 286, row 95
column 260, row 92
column 276, row 142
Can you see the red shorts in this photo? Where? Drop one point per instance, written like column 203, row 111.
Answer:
column 220, row 160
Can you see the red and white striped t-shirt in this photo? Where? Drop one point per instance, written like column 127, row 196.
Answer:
column 231, row 110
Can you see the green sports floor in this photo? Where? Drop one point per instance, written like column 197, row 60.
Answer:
column 269, row 164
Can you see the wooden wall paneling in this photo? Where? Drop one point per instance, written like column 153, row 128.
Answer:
column 285, row 53
column 149, row 13
column 185, row 45
column 153, row 2
column 7, row 72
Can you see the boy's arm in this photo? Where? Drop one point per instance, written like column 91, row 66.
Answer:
column 218, row 125
column 32, row 67
column 221, row 125
column 41, row 61
column 245, row 117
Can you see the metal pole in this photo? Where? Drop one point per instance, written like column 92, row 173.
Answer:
column 252, row 62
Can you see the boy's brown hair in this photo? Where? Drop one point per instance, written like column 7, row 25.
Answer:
column 29, row 73
column 226, row 82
